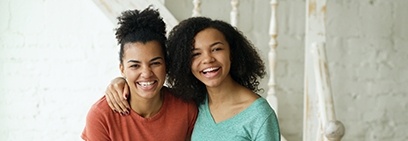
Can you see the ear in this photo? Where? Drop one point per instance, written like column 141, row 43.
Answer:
column 122, row 70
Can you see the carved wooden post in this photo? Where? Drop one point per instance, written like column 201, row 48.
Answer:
column 273, row 33
column 272, row 57
column 333, row 129
column 315, row 33
column 234, row 13
column 320, row 122
column 197, row 8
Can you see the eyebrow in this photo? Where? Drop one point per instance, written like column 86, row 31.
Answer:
column 213, row 44
column 137, row 61
column 216, row 43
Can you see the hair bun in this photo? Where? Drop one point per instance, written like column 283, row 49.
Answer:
column 132, row 21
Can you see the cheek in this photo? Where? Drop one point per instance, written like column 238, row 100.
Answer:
column 195, row 71
column 159, row 72
column 162, row 72
column 227, row 59
column 193, row 68
column 194, row 65
column 130, row 74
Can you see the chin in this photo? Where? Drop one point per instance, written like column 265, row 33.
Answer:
column 212, row 84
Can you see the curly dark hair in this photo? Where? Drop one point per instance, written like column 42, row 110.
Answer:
column 246, row 64
column 141, row 26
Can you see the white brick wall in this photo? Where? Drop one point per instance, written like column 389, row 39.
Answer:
column 56, row 58
column 367, row 45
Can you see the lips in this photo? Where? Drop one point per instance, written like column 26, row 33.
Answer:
column 146, row 83
column 212, row 69
column 211, row 72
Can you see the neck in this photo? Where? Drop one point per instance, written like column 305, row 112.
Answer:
column 146, row 107
column 227, row 91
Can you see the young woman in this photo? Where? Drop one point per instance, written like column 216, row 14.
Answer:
column 215, row 65
column 155, row 113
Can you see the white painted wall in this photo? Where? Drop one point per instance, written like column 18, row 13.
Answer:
column 56, row 58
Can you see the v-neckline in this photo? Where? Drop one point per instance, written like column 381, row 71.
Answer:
column 209, row 115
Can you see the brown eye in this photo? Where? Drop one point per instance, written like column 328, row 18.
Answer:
column 195, row 54
column 216, row 49
column 156, row 63
column 134, row 66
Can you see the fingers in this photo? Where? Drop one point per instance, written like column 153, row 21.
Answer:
column 110, row 98
column 125, row 91
column 114, row 96
column 120, row 103
column 125, row 95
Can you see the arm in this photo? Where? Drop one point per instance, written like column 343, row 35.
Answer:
column 193, row 110
column 116, row 95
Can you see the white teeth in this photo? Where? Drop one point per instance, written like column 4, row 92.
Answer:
column 145, row 84
column 210, row 69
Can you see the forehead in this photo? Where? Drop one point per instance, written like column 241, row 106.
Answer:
column 208, row 36
column 141, row 51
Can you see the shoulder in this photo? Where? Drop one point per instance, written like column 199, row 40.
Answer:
column 268, row 123
column 262, row 109
column 263, row 105
column 266, row 112
column 101, row 104
column 100, row 107
column 98, row 121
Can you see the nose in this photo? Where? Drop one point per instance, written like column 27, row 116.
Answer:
column 146, row 72
column 208, row 58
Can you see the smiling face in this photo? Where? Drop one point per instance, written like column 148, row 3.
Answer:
column 144, row 68
column 211, row 57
